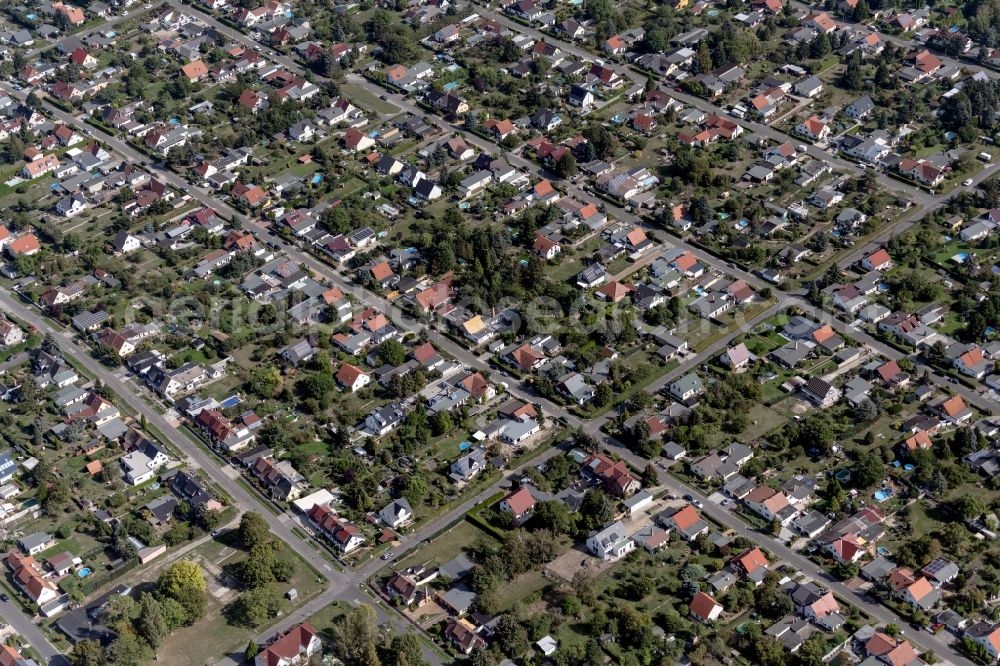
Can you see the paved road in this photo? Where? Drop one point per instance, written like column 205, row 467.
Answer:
column 350, row 587
column 915, row 194
column 722, row 515
column 30, row 632
column 913, row 218
column 344, row 586
column 968, row 63
column 196, row 455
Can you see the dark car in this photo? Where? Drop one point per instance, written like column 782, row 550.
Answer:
column 4, row 598
column 689, row 498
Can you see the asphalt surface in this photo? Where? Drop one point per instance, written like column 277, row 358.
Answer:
column 347, row 586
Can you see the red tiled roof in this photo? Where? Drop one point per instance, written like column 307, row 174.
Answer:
column 520, row 501
column 702, row 605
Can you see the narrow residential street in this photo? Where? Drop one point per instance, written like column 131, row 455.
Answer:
column 349, row 586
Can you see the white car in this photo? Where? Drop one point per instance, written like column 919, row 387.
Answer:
column 967, row 182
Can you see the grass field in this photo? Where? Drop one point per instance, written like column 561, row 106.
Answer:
column 366, row 100
column 213, row 635
column 447, row 546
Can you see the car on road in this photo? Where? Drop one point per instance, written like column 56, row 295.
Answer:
column 388, row 556
column 689, row 497
column 967, row 182
column 697, row 503
column 4, row 598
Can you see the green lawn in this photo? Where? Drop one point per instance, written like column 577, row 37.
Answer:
column 446, row 546
column 365, row 99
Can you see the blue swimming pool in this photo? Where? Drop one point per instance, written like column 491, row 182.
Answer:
column 231, row 401
column 84, row 572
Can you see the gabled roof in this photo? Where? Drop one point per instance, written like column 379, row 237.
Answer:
column 288, row 646
column 751, row 560
column 702, row 605
column 953, row 406
column 520, row 501
column 615, row 291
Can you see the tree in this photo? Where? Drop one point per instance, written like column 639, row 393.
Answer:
column 596, row 509
column 405, row 650
column 152, row 626
column 768, row 651
column 771, row 600
column 369, row 655
column 253, row 531
column 650, row 477
column 173, row 613
column 256, row 606
column 391, row 352
column 566, row 166
column 252, row 650
column 353, row 630
column 868, row 470
column 265, row 381
column 635, row 628
column 969, row 507
column 273, row 435
column 703, row 59
column 441, row 423
column 555, row 516
column 184, row 582
column 570, row 605
column 509, row 635
column 88, row 653
column 603, row 395
column 815, row 431
column 813, row 650
column 318, row 386
column 852, row 78
column 258, row 569
column 127, row 650
column 118, row 610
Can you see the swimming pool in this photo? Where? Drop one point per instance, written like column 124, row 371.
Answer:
column 84, row 572
column 231, row 401
column 882, row 495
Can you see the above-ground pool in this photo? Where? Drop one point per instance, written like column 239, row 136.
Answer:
column 882, row 495
column 84, row 572
column 843, row 475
